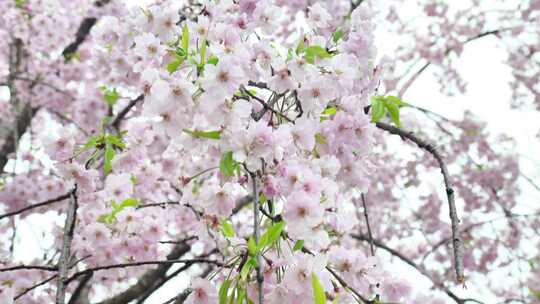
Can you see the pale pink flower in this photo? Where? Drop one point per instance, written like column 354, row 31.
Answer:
column 148, row 47
column 395, row 290
column 6, row 294
column 118, row 187
column 203, row 292
column 302, row 212
column 303, row 133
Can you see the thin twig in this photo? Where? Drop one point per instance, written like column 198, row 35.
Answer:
column 148, row 279
column 162, row 204
column 122, row 114
column 29, row 267
column 63, row 262
column 419, row 268
column 256, row 232
column 27, row 290
column 143, row 263
column 80, row 288
column 456, row 238
column 38, row 82
column 165, row 279
column 44, row 203
column 265, row 105
column 367, row 224
column 181, row 298
column 340, row 279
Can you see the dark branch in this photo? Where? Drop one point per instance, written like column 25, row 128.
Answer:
column 366, row 215
column 22, row 122
column 44, row 203
column 419, row 268
column 151, row 278
column 82, row 32
column 27, row 290
column 29, row 267
column 457, row 242
column 144, row 263
column 65, row 254
column 148, row 279
column 118, row 119
column 81, row 289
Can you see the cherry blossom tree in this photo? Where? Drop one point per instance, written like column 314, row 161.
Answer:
column 263, row 149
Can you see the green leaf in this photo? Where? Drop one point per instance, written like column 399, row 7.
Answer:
column 320, row 139
column 227, row 165
column 116, row 141
column 378, row 109
column 337, row 35
column 245, row 270
column 20, row 3
column 298, row 245
column 106, row 218
column 531, row 262
column 180, row 53
column 241, row 293
column 252, row 246
column 72, row 56
column 213, row 60
column 204, row 134
column 227, row 229
column 117, row 208
column 393, row 110
column 130, row 202
column 396, row 100
column 330, row 111
column 318, row 290
column 203, row 52
column 313, row 52
column 301, row 47
column 232, row 297
column 185, row 38
column 109, row 155
column 223, row 291
column 174, row 65
column 111, row 96
column 536, row 294
column 289, row 54
column 271, row 235
column 92, row 142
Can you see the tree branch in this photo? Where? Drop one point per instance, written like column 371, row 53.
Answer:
column 162, row 281
column 419, row 268
column 63, row 262
column 122, row 114
column 27, row 290
column 29, row 267
column 44, row 203
column 181, row 298
column 81, row 290
column 256, row 232
column 80, row 36
column 151, row 278
column 456, row 238
column 148, row 279
column 368, row 226
column 143, row 263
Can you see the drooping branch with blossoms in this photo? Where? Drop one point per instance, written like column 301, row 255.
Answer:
column 240, row 144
